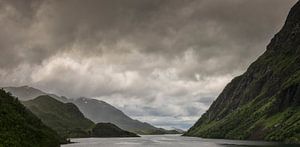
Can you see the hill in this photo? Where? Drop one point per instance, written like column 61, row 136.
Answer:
column 20, row 127
column 110, row 130
column 263, row 103
column 65, row 118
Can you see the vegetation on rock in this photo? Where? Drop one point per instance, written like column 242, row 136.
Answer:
column 20, row 127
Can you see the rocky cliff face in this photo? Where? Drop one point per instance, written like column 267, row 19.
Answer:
column 263, row 103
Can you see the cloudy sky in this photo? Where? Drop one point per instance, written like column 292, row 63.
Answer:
column 160, row 61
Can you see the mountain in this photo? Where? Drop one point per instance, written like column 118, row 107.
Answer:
column 65, row 118
column 19, row 127
column 110, row 130
column 263, row 103
column 95, row 110
column 180, row 131
column 100, row 111
column 25, row 93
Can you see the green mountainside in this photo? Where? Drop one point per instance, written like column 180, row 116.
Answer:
column 65, row 118
column 19, row 127
column 263, row 103
column 110, row 130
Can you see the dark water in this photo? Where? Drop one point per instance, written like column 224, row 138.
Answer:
column 168, row 141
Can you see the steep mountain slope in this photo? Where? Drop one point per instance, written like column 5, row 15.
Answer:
column 65, row 118
column 263, row 103
column 110, row 130
column 19, row 127
column 100, row 111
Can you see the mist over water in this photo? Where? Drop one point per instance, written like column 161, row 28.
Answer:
column 167, row 141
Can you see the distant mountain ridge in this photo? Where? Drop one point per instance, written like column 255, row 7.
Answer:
column 179, row 130
column 95, row 110
column 264, row 102
column 100, row 111
column 24, row 93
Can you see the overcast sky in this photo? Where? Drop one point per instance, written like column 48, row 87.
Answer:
column 159, row 61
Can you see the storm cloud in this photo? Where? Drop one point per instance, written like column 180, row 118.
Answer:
column 160, row 61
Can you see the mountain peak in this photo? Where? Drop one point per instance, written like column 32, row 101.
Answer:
column 289, row 34
column 294, row 15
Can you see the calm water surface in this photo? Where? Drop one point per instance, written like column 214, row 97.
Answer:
column 167, row 141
